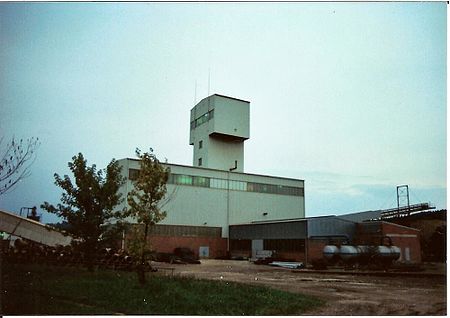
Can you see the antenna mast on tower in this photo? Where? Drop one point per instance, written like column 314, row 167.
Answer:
column 209, row 79
column 195, row 93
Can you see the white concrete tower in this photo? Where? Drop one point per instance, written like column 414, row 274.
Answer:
column 219, row 127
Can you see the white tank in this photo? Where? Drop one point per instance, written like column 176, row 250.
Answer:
column 330, row 251
column 395, row 252
column 362, row 250
column 388, row 252
column 348, row 252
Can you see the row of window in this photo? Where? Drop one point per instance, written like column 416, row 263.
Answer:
column 234, row 185
column 202, row 119
column 217, row 183
column 185, row 230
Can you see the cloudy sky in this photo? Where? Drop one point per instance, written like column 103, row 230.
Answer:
column 350, row 97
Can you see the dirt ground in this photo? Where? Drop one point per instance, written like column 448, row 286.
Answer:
column 344, row 294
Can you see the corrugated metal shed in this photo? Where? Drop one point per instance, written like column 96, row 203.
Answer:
column 361, row 216
column 330, row 226
column 280, row 230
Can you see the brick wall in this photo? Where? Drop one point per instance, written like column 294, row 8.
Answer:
column 368, row 235
column 315, row 249
column 165, row 238
column 399, row 229
column 166, row 244
column 407, row 239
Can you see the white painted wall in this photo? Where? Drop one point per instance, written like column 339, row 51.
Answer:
column 32, row 230
column 190, row 205
column 201, row 133
column 231, row 117
column 222, row 136
column 223, row 154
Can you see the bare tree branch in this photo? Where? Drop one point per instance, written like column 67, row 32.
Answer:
column 16, row 160
column 168, row 197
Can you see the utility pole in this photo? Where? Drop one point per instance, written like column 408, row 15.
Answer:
column 228, row 203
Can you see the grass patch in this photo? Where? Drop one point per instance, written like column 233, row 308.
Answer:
column 46, row 290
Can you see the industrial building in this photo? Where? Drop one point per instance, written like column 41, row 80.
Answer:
column 217, row 210
column 203, row 200
column 304, row 239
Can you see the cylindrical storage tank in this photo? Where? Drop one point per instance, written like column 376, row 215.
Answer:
column 383, row 251
column 387, row 252
column 395, row 252
column 348, row 252
column 330, row 251
column 363, row 250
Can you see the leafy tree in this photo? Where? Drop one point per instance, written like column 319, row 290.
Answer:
column 437, row 244
column 16, row 157
column 88, row 205
column 63, row 226
column 143, row 200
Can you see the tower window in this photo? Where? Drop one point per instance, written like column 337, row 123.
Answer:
column 202, row 119
column 199, row 162
column 133, row 174
column 200, row 144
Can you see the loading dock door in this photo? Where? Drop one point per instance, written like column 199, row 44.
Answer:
column 203, row 251
column 257, row 245
column 407, row 254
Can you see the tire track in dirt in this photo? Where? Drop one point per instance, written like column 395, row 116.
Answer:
column 344, row 294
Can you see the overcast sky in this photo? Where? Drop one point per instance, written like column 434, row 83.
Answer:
column 350, row 97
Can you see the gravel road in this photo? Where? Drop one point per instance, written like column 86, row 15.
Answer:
column 344, row 294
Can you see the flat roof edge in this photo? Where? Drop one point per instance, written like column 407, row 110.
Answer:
column 402, row 226
column 223, row 96
column 211, row 169
column 390, row 223
column 229, row 97
column 271, row 222
column 305, row 219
